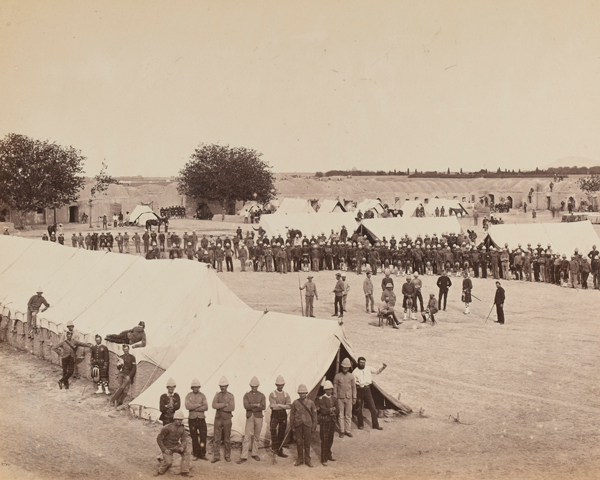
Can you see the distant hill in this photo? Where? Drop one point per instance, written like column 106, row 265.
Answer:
column 573, row 162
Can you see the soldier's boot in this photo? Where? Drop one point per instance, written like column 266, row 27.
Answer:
column 405, row 316
column 99, row 390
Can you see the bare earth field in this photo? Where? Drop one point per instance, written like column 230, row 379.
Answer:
column 527, row 393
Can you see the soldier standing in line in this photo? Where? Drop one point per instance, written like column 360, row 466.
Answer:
column 467, row 286
column 303, row 419
column 339, row 296
column 279, row 402
column 196, row 403
column 126, row 242
column 254, row 404
column 224, row 404
column 344, row 387
column 99, row 360
column 169, row 403
column 327, row 413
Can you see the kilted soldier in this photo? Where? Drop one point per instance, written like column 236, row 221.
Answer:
column 169, row 403
column 279, row 402
column 99, row 362
column 467, row 286
column 196, row 403
column 327, row 413
column 303, row 419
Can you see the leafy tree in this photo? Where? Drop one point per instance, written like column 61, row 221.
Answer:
column 589, row 185
column 37, row 174
column 319, row 174
column 101, row 182
column 227, row 174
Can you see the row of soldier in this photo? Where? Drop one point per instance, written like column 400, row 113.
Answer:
column 175, row 211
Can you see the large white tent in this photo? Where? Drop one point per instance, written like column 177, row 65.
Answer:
column 141, row 214
column 445, row 203
column 331, row 206
column 563, row 238
column 240, row 345
column 409, row 208
column 294, row 206
column 369, row 204
column 377, row 228
column 308, row 224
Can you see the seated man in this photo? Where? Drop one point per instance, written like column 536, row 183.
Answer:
column 136, row 337
column 174, row 439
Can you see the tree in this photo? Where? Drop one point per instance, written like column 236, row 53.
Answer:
column 227, row 174
column 101, row 182
column 37, row 174
column 319, row 174
column 589, row 185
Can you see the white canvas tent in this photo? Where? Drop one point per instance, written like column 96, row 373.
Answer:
column 563, row 238
column 294, row 206
column 409, row 208
column 308, row 224
column 369, row 204
column 377, row 228
column 331, row 206
column 240, row 345
column 141, row 214
column 447, row 204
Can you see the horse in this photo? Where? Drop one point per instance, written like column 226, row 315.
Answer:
column 157, row 222
column 51, row 229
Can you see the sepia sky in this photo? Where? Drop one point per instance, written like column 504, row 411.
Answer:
column 313, row 85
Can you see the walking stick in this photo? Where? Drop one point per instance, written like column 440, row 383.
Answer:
column 490, row 312
column 478, row 299
column 301, row 304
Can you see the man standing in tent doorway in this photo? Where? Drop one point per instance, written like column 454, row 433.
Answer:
column 33, row 308
column 136, row 337
column 196, row 403
column 344, row 389
column 339, row 296
column 224, row 404
column 280, row 402
column 254, row 403
column 499, row 302
column 303, row 417
column 363, row 376
column 310, row 295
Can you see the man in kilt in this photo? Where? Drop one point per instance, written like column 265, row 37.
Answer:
column 99, row 361
column 467, row 286
column 280, row 402
column 327, row 414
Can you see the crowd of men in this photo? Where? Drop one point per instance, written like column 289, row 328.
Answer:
column 175, row 211
column 341, row 399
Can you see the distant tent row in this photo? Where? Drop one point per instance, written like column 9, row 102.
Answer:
column 377, row 228
column 562, row 237
column 294, row 206
column 450, row 207
column 308, row 224
column 331, row 206
column 369, row 204
column 240, row 345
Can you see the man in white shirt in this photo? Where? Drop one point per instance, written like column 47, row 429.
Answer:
column 363, row 376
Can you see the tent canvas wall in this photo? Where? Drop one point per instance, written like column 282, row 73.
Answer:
column 369, row 204
column 106, row 293
column 409, row 208
column 240, row 345
column 308, row 224
column 293, row 206
column 562, row 237
column 450, row 206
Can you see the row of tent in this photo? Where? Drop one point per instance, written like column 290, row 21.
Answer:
column 374, row 228
column 195, row 325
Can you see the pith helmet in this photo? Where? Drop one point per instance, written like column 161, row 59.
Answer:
column 254, row 382
column 328, row 385
column 195, row 383
column 302, row 388
column 171, row 383
column 280, row 380
column 346, row 362
column 178, row 415
column 223, row 382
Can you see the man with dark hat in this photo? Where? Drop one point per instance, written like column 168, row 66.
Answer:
column 499, row 302
column 310, row 295
column 303, row 419
column 99, row 361
column 33, row 308
column 136, row 337
column 279, row 402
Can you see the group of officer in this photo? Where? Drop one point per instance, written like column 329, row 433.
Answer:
column 347, row 394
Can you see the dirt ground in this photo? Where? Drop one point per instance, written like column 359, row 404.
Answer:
column 526, row 393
